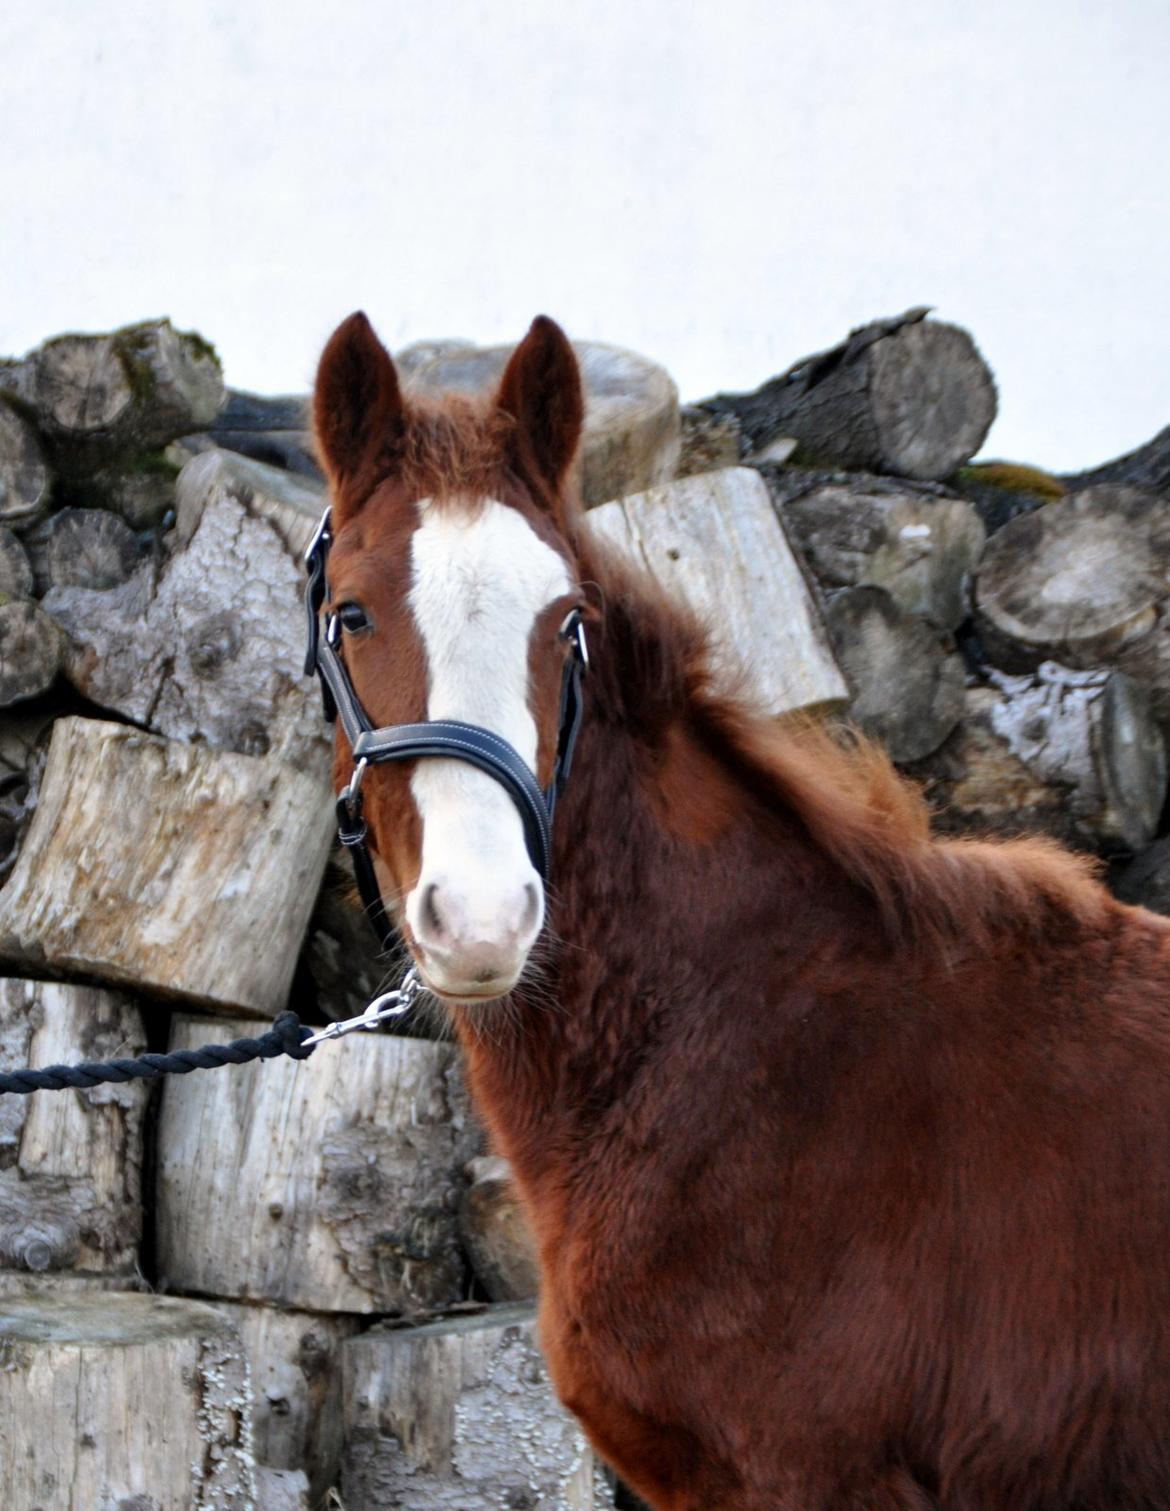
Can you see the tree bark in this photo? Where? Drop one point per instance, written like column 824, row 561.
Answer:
column 714, row 540
column 70, row 1161
column 1148, row 468
column 331, row 1186
column 460, row 1414
column 1077, row 755
column 225, row 609
column 631, row 440
column 122, row 1401
column 187, row 871
column 904, row 395
column 907, row 690
column 867, row 531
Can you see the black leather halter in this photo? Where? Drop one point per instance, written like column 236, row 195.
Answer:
column 448, row 738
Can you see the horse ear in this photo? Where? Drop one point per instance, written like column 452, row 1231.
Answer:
column 357, row 412
column 541, row 390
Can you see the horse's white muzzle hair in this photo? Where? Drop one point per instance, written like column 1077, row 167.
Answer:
column 479, row 903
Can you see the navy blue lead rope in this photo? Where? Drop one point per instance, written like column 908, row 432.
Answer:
column 370, row 746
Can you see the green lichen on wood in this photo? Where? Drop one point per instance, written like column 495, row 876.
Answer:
column 1015, row 477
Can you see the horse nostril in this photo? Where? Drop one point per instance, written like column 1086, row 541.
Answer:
column 430, row 910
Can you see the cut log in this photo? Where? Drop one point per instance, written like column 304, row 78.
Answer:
column 271, row 430
column 632, row 436
column 867, row 531
column 495, row 1232
column 332, row 1186
column 25, row 480
column 139, row 489
column 226, row 604
column 99, row 397
column 461, row 1414
column 31, row 651
column 1148, row 468
column 907, row 690
column 122, row 1401
column 1074, row 754
column 714, row 540
column 89, row 548
column 185, row 870
column 70, row 1161
column 1077, row 581
column 295, row 1364
column 906, row 395
column 16, row 576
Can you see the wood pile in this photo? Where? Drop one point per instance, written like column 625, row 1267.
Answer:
column 279, row 1283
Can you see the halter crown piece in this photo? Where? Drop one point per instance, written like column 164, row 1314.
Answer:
column 436, row 737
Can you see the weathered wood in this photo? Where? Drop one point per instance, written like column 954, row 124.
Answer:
column 139, row 489
column 226, row 604
column 921, row 548
column 331, row 1186
column 295, row 1364
column 907, row 690
column 1074, row 754
column 122, row 1403
column 186, row 870
column 460, row 1414
column 31, row 651
column 70, row 1161
column 89, row 548
column 495, row 1232
column 1077, row 581
column 100, row 396
column 906, row 395
column 16, row 577
column 1147, row 467
column 714, row 540
column 708, row 441
column 631, row 439
column 25, row 480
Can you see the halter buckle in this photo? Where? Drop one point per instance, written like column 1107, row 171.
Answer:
column 322, row 536
column 573, row 631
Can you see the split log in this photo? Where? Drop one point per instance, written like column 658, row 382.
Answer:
column 714, row 540
column 89, row 548
column 281, row 1489
column 495, row 1232
column 122, row 1401
column 907, row 690
column 631, row 439
column 921, row 548
column 25, row 480
column 185, row 870
column 1077, row 581
column 1073, row 754
column 1147, row 467
column 295, row 1364
column 99, row 397
column 70, row 1161
column 331, row 1186
column 461, row 1413
column 908, row 396
column 227, row 604
column 31, row 651
column 16, row 576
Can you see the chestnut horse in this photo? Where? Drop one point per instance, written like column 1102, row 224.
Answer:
column 847, row 1150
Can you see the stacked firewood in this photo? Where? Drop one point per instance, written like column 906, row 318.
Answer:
column 325, row 1253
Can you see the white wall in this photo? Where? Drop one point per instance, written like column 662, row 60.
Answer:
column 723, row 186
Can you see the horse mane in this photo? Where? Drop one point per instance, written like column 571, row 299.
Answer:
column 870, row 822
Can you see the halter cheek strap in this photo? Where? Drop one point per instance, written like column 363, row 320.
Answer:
column 445, row 738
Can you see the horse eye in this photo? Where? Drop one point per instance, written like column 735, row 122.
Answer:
column 353, row 618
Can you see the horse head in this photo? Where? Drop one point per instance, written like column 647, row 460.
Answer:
column 450, row 578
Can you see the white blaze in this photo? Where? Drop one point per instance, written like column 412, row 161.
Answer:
column 479, row 580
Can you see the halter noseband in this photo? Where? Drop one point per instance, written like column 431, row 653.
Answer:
column 449, row 738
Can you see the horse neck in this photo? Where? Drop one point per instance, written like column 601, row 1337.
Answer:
column 665, row 891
